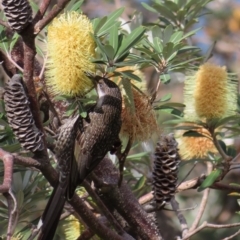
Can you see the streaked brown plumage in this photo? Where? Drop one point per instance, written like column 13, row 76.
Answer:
column 93, row 138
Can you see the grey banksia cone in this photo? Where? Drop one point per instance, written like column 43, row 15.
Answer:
column 18, row 13
column 165, row 170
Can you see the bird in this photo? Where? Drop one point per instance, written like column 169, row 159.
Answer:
column 81, row 145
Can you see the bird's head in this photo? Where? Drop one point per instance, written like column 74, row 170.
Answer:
column 104, row 87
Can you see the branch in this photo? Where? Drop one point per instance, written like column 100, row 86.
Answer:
column 209, row 225
column 7, row 65
column 52, row 14
column 181, row 218
column 203, row 202
column 103, row 208
column 232, row 236
column 123, row 200
column 41, row 11
column 91, row 220
column 122, row 157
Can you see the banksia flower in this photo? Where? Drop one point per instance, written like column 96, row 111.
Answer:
column 138, row 122
column 72, row 228
column 196, row 147
column 211, row 93
column 70, row 49
column 165, row 170
column 20, row 116
column 18, row 13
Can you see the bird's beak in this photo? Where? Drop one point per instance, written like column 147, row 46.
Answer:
column 94, row 78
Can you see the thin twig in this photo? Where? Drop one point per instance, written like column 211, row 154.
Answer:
column 232, row 236
column 42, row 9
column 13, row 214
column 209, row 225
column 181, row 218
column 189, row 172
column 52, row 14
column 236, row 158
column 203, row 202
column 122, row 157
column 145, row 198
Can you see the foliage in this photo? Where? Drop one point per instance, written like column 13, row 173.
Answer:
column 163, row 46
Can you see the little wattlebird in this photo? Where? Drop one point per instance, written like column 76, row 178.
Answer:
column 81, row 145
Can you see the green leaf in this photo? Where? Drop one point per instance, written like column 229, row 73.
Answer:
column 12, row 148
column 109, row 51
column 165, row 12
column 129, row 41
column 130, row 75
column 167, row 97
column 168, row 50
column 227, row 120
column 176, row 37
column 172, row 104
column 140, row 183
column 210, row 179
column 151, row 9
column 192, row 133
column 106, row 24
column 128, row 99
column 113, row 38
column 13, row 41
column 137, row 156
column 165, row 78
column 76, row 6
column 97, row 24
column 168, row 31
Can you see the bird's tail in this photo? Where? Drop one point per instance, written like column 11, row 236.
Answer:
column 52, row 213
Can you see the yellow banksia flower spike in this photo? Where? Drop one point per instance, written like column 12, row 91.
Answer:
column 70, row 49
column 141, row 123
column 211, row 93
column 72, row 228
column 196, row 147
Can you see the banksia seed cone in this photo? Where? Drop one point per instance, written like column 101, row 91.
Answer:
column 70, row 49
column 18, row 13
column 165, row 170
column 210, row 93
column 20, row 117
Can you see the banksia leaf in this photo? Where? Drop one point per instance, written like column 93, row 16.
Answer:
column 211, row 93
column 70, row 49
column 20, row 116
column 18, row 13
column 165, row 170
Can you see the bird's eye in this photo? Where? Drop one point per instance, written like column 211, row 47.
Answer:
column 100, row 85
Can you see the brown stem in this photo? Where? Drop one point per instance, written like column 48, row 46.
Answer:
column 232, row 236
column 203, row 202
column 12, row 213
column 103, row 208
column 42, row 9
column 7, row 65
column 90, row 219
column 181, row 218
column 123, row 200
column 8, row 171
column 122, row 157
column 209, row 225
column 52, row 14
